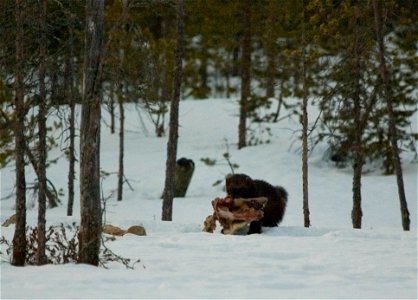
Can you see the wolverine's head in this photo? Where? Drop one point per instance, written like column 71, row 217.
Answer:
column 240, row 186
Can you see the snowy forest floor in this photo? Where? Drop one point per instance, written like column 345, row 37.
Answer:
column 178, row 260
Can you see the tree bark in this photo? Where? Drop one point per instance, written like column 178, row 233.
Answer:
column 41, row 256
column 91, row 214
column 168, row 194
column 387, row 92
column 271, row 68
column 71, row 149
column 121, row 100
column 19, row 238
column 270, row 53
column 306, row 219
column 121, row 146
column 51, row 195
column 112, row 110
column 203, row 72
column 245, row 74
column 357, row 213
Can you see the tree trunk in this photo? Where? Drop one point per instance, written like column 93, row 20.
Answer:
column 245, row 74
column 270, row 53
column 52, row 199
column 357, row 213
column 91, row 214
column 71, row 149
column 306, row 219
column 51, row 195
column 41, row 256
column 121, row 100
column 271, row 67
column 112, row 110
column 393, row 135
column 19, row 238
column 121, row 146
column 167, row 210
column 203, row 73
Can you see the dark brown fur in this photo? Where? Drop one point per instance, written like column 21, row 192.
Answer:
column 242, row 186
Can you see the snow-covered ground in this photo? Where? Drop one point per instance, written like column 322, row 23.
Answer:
column 178, row 260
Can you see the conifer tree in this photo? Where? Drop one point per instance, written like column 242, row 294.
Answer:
column 333, row 36
column 385, row 79
column 199, row 37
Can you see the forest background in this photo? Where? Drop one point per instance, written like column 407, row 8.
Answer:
column 268, row 52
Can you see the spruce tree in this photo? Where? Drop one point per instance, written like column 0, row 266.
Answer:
column 386, row 83
column 335, row 38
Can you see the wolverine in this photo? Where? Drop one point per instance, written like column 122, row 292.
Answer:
column 243, row 186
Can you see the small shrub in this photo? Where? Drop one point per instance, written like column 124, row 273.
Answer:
column 62, row 247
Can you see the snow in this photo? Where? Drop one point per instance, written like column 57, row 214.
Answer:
column 178, row 260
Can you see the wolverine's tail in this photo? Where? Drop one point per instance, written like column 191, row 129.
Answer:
column 282, row 192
